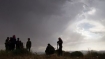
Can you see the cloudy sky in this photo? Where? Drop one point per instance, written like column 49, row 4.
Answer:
column 80, row 23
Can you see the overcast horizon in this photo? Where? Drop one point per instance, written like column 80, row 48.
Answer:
column 80, row 23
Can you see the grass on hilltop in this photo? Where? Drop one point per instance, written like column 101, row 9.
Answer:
column 24, row 54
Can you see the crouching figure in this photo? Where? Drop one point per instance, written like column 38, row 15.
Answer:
column 49, row 50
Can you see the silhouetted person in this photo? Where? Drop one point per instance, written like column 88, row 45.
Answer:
column 7, row 43
column 10, row 45
column 59, row 43
column 28, row 44
column 13, row 42
column 49, row 50
column 18, row 43
column 21, row 45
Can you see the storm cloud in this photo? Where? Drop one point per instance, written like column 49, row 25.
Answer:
column 77, row 22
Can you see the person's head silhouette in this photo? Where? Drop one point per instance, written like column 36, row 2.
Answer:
column 28, row 39
column 14, row 36
column 17, row 39
column 7, row 37
column 59, row 39
column 49, row 44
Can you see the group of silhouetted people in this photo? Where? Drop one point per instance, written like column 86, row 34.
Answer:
column 50, row 49
column 11, row 43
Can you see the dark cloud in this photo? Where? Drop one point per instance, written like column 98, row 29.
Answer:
column 43, row 20
column 32, row 19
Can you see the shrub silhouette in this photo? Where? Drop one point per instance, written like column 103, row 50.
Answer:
column 102, row 56
column 94, row 54
column 66, row 54
column 77, row 54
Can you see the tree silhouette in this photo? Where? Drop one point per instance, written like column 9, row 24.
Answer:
column 77, row 54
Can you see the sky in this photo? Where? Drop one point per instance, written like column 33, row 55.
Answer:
column 80, row 23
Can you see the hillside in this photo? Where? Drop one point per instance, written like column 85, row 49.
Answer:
column 24, row 54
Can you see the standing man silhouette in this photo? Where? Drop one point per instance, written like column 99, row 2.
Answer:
column 7, row 43
column 18, row 44
column 59, row 43
column 13, row 42
column 28, row 44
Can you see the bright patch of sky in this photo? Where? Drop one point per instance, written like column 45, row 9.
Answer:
column 86, row 29
column 92, row 11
